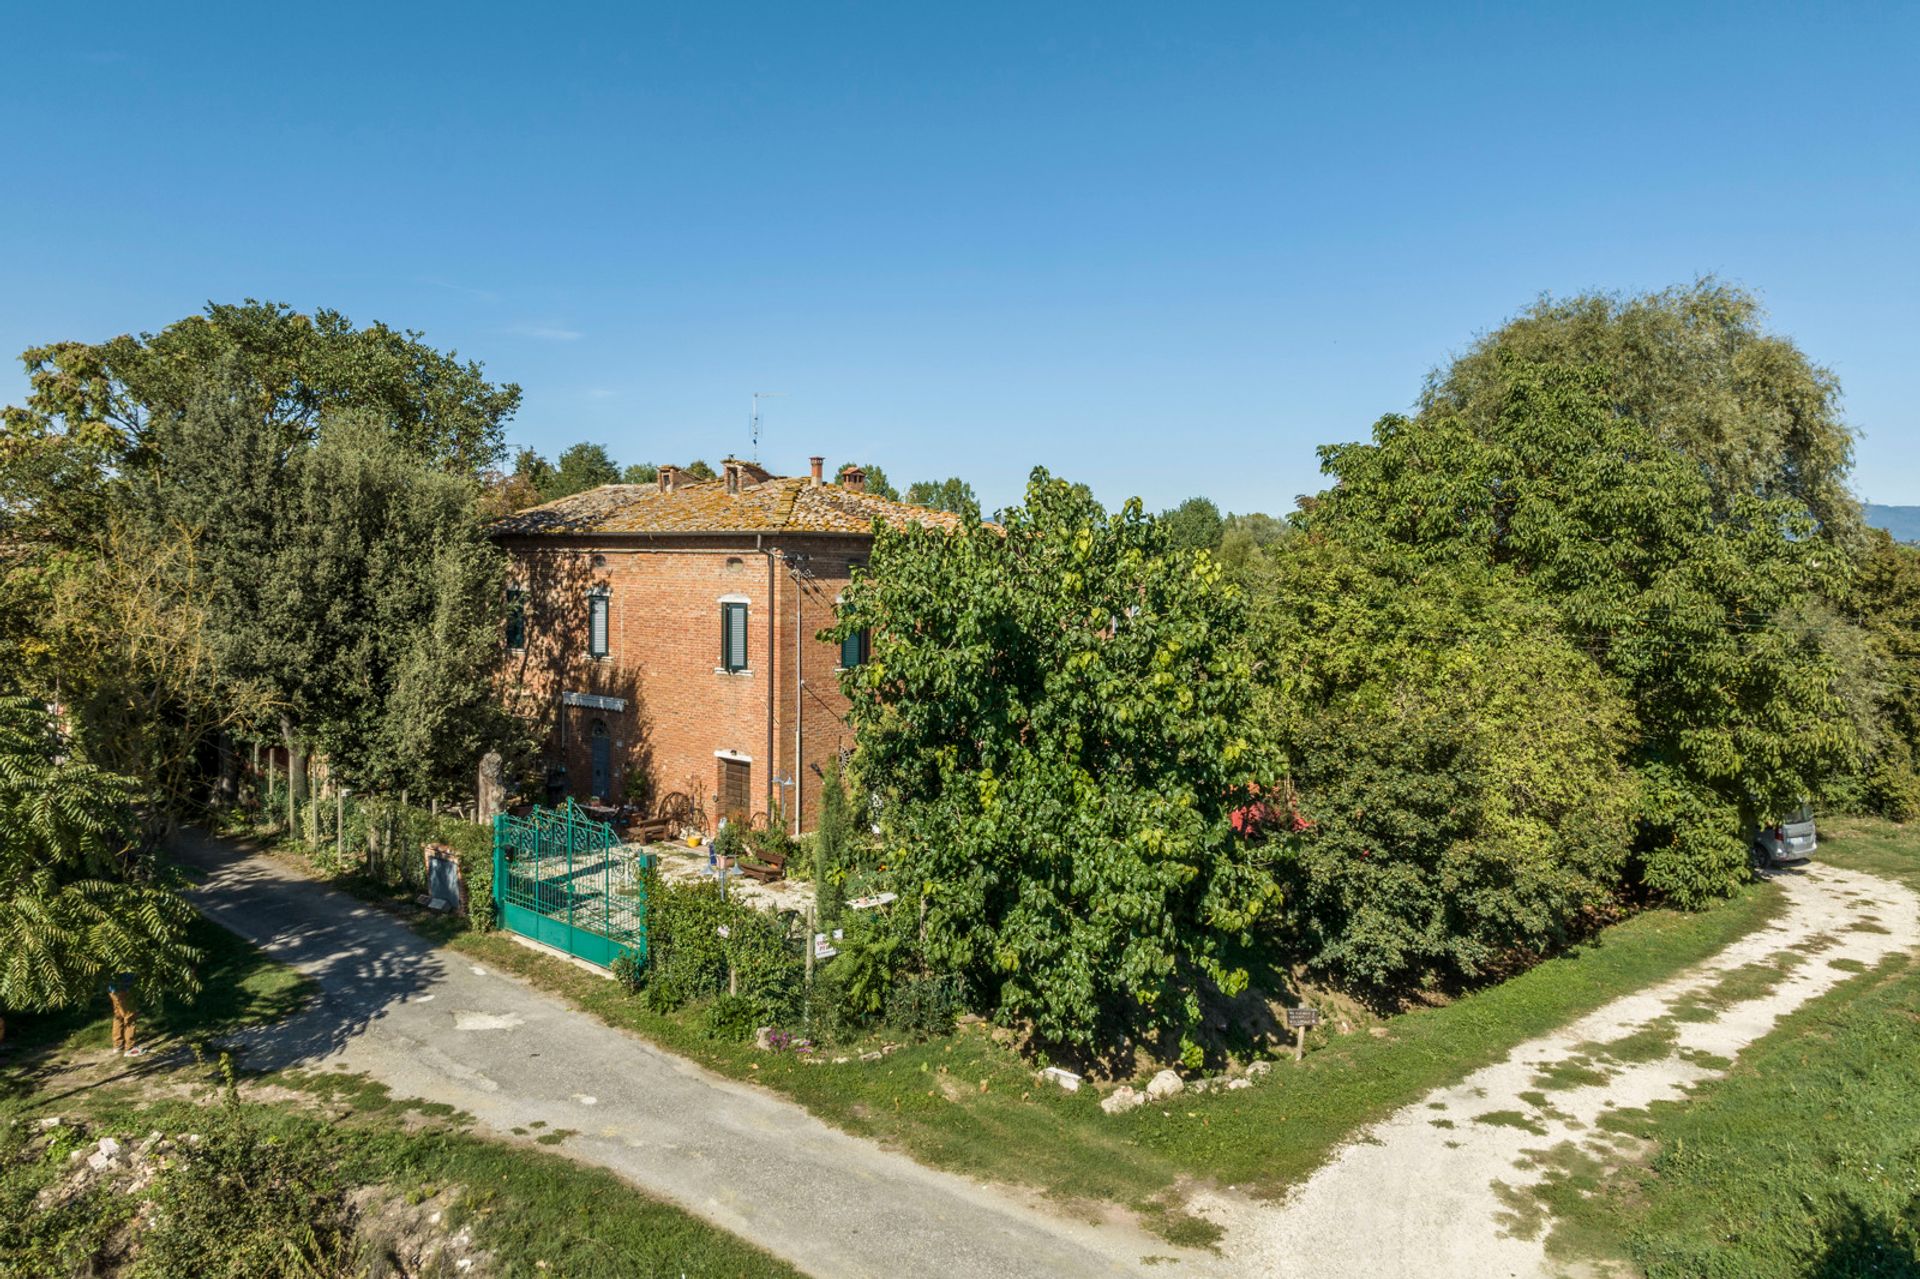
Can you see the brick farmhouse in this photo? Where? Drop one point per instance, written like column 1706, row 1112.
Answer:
column 666, row 636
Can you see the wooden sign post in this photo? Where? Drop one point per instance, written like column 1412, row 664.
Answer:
column 1298, row 1019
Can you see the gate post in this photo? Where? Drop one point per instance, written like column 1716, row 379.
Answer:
column 499, row 871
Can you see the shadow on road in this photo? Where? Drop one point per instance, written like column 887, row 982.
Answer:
column 363, row 960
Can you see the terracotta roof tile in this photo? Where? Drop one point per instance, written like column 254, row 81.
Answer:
column 778, row 505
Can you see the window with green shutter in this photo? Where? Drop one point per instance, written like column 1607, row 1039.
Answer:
column 516, row 619
column 597, row 611
column 853, row 650
column 733, row 637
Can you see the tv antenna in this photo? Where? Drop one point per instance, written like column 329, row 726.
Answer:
column 754, row 422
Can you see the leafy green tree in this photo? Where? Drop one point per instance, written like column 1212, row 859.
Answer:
column 582, row 467
column 1194, row 525
column 80, row 904
column 1677, row 591
column 349, row 579
column 1247, row 542
column 1056, row 726
column 107, row 396
column 1882, row 603
column 94, row 435
column 640, row 473
column 1693, row 366
column 699, row 470
column 536, row 471
column 391, row 598
column 1457, row 764
column 952, row 494
column 146, row 683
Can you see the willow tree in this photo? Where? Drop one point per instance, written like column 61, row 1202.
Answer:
column 1055, row 726
column 1696, row 368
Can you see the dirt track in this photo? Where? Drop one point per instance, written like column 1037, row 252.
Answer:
column 1441, row 1188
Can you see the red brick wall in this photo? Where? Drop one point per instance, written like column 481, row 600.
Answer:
column 664, row 641
column 807, row 601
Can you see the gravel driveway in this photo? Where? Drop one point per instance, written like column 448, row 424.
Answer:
column 1440, row 1189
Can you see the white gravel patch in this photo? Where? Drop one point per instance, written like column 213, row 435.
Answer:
column 1432, row 1190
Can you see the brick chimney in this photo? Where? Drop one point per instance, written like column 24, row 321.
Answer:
column 669, row 476
column 852, row 477
column 730, row 472
column 817, row 463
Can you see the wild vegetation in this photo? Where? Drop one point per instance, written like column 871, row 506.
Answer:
column 1546, row 650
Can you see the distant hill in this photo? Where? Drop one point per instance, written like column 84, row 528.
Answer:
column 1901, row 521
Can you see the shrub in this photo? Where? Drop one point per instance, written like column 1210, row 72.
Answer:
column 925, row 1006
column 662, row 994
column 830, row 847
column 244, row 1204
column 699, row 944
column 630, row 970
column 732, row 1018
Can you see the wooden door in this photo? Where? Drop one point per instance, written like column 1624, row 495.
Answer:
column 736, row 790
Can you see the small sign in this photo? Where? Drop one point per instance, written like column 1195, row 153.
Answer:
column 594, row 701
column 821, row 948
column 868, row 903
column 1301, row 1018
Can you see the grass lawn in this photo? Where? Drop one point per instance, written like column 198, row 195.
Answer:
column 968, row 1103
column 1805, row 1159
column 523, row 1205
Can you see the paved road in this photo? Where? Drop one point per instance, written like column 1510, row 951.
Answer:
column 430, row 1023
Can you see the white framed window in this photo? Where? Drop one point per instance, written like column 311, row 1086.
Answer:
column 599, row 610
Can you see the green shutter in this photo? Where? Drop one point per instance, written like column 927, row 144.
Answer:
column 733, row 637
column 853, row 650
column 516, row 619
column 597, row 619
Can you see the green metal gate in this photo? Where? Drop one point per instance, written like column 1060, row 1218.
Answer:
column 564, row 879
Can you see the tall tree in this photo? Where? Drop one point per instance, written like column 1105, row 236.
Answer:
column 98, row 419
column 1677, row 589
column 346, row 576
column 1883, row 600
column 107, row 396
column 640, row 473
column 1056, row 724
column 80, row 902
column 582, row 466
column 1694, row 367
column 1194, row 525
column 951, row 494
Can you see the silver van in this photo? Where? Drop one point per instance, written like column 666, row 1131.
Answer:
column 1791, row 839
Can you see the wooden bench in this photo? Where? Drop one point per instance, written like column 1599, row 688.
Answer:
column 775, row 867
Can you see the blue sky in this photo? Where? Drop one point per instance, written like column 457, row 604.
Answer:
column 1165, row 249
